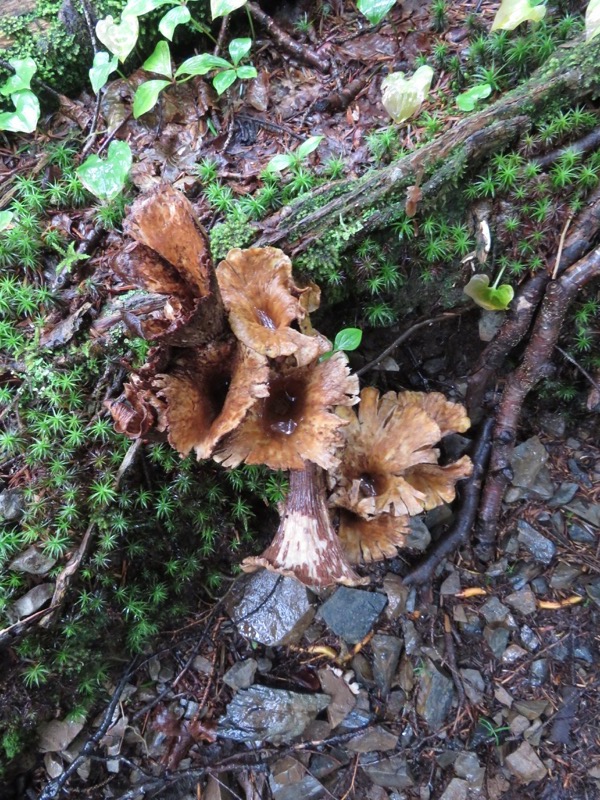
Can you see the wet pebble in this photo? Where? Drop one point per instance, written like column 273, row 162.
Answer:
column 539, row 672
column 419, row 537
column 541, row 548
column 493, row 611
column 578, row 533
column 390, row 773
column 566, row 492
column 435, row 696
column 581, row 474
column 473, row 684
column 457, row 789
column 386, row 654
column 564, row 576
column 522, row 601
column 11, row 504
column 589, row 512
column 583, row 653
column 529, row 639
column 351, row 613
column 525, row 764
column 512, row 654
column 241, row 674
column 497, row 639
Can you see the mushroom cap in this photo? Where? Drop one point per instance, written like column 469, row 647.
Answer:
column 389, row 465
column 374, row 539
column 138, row 411
column 208, row 393
column 295, row 423
column 450, row 417
column 262, row 301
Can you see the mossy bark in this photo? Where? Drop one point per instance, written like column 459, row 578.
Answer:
column 332, row 218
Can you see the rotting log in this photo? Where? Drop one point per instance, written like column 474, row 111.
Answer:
column 378, row 198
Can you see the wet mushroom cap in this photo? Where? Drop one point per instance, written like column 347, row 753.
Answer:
column 296, row 422
column 374, row 539
column 262, row 302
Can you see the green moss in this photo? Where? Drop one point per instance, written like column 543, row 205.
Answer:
column 235, row 231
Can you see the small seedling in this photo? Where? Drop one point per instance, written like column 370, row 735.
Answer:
column 18, row 87
column 105, row 178
column 469, row 99
column 492, row 298
column 347, row 339
column 284, row 161
column 375, row 10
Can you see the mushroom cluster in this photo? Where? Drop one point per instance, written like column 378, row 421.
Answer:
column 239, row 376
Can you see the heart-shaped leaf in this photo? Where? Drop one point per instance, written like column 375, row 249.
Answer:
column 146, row 96
column 469, row 99
column 306, row 148
column 348, row 339
column 105, row 178
column 160, row 60
column 219, row 8
column 25, row 69
column 176, row 16
column 514, row 12
column 103, row 66
column 280, row 162
column 119, row 39
column 223, row 80
column 5, row 219
column 375, row 10
column 137, row 8
column 402, row 97
column 592, row 19
column 200, row 65
column 489, row 297
column 25, row 117
column 238, row 48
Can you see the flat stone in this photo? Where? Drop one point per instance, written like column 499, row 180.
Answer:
column 539, row 672
column 541, row 548
column 262, row 714
column 396, row 593
column 525, row 764
column 270, row 609
column 529, row 639
column 435, row 696
column 32, row 601
column 351, row 613
column 512, row 654
column 377, row 738
column 522, row 601
column 493, row 611
column 290, row 780
column 451, row 585
column 11, row 504
column 490, row 323
column 565, row 493
column 457, row 789
column 502, row 696
column 32, row 562
column 390, row 773
column 543, row 486
column 241, row 674
column 532, row 709
column 577, row 533
column 564, row 576
column 343, row 700
column 419, row 537
column 412, row 640
column 497, row 639
column 474, row 685
column 527, row 460
column 581, row 474
column 57, row 735
column 554, row 424
column 467, row 766
column 386, row 654
column 518, row 725
column 590, row 512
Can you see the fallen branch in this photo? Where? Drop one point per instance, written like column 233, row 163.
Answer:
column 558, row 297
column 458, row 535
column 279, row 36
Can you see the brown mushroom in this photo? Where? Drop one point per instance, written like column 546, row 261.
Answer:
column 306, row 546
column 296, row 422
column 372, row 539
column 262, row 301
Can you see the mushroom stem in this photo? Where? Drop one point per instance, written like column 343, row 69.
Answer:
column 306, row 546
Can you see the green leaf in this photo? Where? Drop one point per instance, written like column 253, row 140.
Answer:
column 307, row 147
column 159, row 61
column 469, row 99
column 138, row 7
column 219, row 8
column 200, row 65
column 280, row 162
column 146, row 96
column 119, row 39
column 103, row 66
column 238, row 48
column 25, row 118
column 489, row 297
column 375, row 10
column 105, row 178
column 25, row 69
column 348, row 339
column 223, row 80
column 174, row 17
column 514, row 12
column 5, row 219
column 592, row 19
column 246, row 73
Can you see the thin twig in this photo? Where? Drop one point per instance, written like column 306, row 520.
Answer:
column 561, row 245
column 406, row 335
column 584, row 372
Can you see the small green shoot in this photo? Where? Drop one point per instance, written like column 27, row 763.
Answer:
column 284, row 161
column 375, row 10
column 101, row 69
column 492, row 298
column 347, row 339
column 469, row 99
column 105, row 178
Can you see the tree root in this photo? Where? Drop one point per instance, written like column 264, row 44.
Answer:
column 559, row 295
column 285, row 41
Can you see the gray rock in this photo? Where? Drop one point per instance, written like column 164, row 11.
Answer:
column 497, row 639
column 270, row 609
column 590, row 512
column 457, row 789
column 57, row 735
column 390, row 773
column 262, row 714
column 419, row 537
column 522, row 601
column 467, row 766
column 377, row 738
column 493, row 611
column 564, row 576
column 577, row 533
column 290, row 780
column 11, row 504
column 396, row 593
column 542, row 549
column 527, row 460
column 512, row 654
column 566, row 492
column 581, row 474
column 451, row 585
column 525, row 764
column 490, row 323
column 32, row 562
column 474, row 685
column 386, row 654
column 558, row 523
column 455, row 446
column 351, row 613
column 543, row 486
column 554, row 424
column 539, row 672
column 412, row 640
column 540, row 586
column 435, row 696
column 32, row 601
column 583, row 653
column 440, row 515
column 241, row 674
